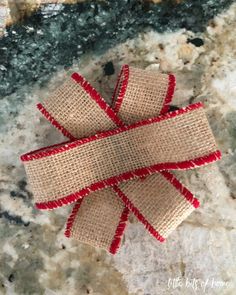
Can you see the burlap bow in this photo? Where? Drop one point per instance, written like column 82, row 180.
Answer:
column 119, row 157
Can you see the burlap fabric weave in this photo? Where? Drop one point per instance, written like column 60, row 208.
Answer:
column 178, row 140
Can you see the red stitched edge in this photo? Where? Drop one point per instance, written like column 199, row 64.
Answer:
column 137, row 213
column 97, row 97
column 72, row 217
column 124, row 79
column 115, row 244
column 67, row 146
column 169, row 94
column 54, row 122
column 183, row 190
column 127, row 176
column 117, row 84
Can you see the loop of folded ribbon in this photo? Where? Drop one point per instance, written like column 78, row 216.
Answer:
column 117, row 159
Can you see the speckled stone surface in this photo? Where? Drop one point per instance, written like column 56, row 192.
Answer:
column 36, row 258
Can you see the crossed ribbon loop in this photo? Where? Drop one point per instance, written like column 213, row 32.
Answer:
column 120, row 157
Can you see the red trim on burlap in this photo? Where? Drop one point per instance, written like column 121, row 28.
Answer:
column 124, row 79
column 72, row 217
column 33, row 155
column 169, row 94
column 115, row 244
column 183, row 190
column 137, row 213
column 118, row 233
column 54, row 122
column 141, row 172
column 97, row 98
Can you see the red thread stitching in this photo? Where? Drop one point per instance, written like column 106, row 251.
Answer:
column 117, row 84
column 183, row 190
column 54, row 122
column 169, row 94
column 124, row 79
column 142, row 172
column 72, row 217
column 119, row 231
column 137, row 213
column 67, row 146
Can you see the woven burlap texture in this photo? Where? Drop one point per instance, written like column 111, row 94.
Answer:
column 64, row 173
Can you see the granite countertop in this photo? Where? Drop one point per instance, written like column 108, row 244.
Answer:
column 195, row 40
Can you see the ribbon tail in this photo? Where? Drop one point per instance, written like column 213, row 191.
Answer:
column 159, row 204
column 98, row 220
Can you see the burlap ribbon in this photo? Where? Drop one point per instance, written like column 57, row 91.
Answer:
column 120, row 157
